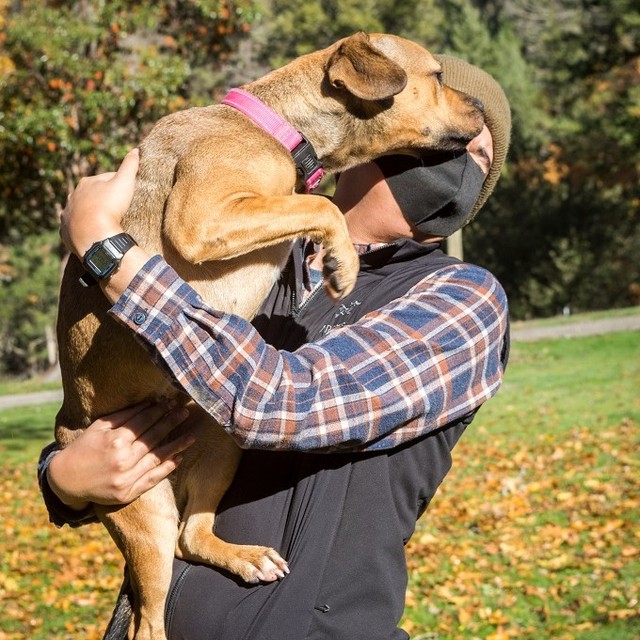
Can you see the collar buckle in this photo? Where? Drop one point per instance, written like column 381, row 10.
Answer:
column 308, row 167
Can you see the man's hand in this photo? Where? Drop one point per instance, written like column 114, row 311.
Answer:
column 95, row 208
column 119, row 456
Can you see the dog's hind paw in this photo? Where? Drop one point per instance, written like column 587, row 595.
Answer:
column 259, row 564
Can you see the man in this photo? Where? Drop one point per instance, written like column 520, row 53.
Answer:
column 349, row 418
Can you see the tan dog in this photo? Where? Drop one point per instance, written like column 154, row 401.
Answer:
column 215, row 196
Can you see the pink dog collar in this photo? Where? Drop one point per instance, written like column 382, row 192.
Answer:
column 307, row 163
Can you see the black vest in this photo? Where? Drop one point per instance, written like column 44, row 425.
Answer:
column 341, row 519
column 385, row 274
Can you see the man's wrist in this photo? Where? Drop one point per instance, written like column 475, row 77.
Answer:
column 83, row 244
column 72, row 501
column 116, row 284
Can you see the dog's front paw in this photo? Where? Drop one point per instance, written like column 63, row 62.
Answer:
column 339, row 274
column 259, row 564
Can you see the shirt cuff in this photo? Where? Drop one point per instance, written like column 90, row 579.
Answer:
column 153, row 296
column 59, row 513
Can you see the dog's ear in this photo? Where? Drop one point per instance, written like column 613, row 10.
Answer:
column 363, row 70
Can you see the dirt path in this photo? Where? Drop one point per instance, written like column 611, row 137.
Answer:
column 576, row 329
column 25, row 399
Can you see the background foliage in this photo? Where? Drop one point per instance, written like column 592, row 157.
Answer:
column 82, row 81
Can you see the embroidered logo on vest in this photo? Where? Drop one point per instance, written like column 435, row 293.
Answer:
column 344, row 310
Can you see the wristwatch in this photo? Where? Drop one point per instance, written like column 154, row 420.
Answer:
column 103, row 258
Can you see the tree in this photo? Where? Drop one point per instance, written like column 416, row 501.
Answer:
column 87, row 80
column 291, row 28
column 564, row 234
column 80, row 83
column 28, row 294
column 563, row 221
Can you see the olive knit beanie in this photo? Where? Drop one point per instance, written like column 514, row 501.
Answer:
column 465, row 77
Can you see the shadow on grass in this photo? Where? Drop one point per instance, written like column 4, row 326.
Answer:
column 30, row 423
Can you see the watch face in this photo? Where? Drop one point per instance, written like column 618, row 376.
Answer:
column 100, row 262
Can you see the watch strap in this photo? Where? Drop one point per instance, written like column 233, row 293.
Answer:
column 122, row 242
column 87, row 280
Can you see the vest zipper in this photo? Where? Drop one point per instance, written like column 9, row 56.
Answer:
column 172, row 596
column 312, row 294
column 294, row 298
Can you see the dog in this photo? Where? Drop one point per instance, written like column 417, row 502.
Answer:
column 219, row 198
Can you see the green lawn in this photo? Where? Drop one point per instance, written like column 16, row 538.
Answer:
column 561, row 384
column 9, row 387
column 535, row 534
column 21, row 427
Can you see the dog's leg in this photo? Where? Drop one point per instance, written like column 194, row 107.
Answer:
column 145, row 532
column 202, row 480
column 197, row 543
column 250, row 224
column 202, row 231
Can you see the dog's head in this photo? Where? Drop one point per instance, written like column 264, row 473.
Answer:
column 393, row 88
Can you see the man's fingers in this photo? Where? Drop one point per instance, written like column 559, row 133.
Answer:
column 122, row 417
column 138, row 418
column 102, row 177
column 160, row 463
column 87, row 181
column 174, row 447
column 150, row 469
column 129, row 166
column 161, row 427
column 152, row 477
column 145, row 424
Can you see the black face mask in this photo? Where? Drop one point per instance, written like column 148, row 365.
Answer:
column 435, row 193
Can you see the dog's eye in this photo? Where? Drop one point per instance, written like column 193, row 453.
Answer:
column 439, row 78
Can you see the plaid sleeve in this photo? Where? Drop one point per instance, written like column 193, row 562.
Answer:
column 417, row 364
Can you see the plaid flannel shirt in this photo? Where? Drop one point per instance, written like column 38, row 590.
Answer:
column 426, row 359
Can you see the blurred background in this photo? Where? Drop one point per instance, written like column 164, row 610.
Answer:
column 82, row 82
column 535, row 533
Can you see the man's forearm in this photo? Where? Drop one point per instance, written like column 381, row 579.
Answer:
column 356, row 388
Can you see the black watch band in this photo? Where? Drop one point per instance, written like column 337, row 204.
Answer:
column 123, row 242
column 103, row 258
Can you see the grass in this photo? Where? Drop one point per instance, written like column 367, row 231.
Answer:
column 15, row 386
column 24, row 426
column 53, row 583
column 557, row 384
column 535, row 534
